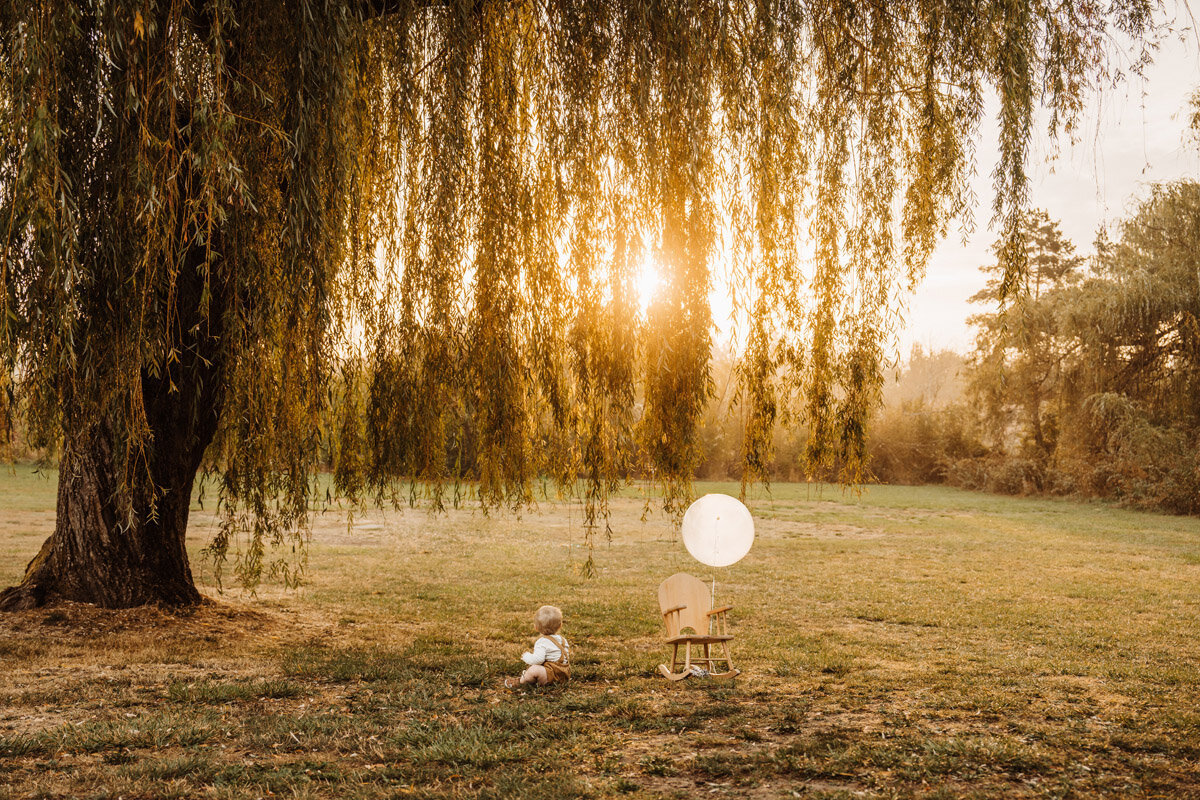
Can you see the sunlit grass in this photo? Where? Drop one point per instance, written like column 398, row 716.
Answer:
column 908, row 642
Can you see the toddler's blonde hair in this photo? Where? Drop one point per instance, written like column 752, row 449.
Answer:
column 548, row 619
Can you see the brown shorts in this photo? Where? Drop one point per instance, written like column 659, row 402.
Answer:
column 557, row 673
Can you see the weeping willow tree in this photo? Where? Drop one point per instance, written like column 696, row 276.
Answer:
column 223, row 218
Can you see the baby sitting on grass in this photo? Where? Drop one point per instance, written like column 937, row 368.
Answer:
column 548, row 661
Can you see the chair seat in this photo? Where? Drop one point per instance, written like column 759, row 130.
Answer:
column 695, row 638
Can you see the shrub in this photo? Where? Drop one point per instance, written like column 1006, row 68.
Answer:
column 916, row 443
column 1137, row 460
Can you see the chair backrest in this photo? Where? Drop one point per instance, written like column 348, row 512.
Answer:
column 682, row 589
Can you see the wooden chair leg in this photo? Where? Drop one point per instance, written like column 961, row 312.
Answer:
column 728, row 658
column 704, row 656
column 674, row 673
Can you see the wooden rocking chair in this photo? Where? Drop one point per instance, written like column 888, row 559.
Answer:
column 685, row 603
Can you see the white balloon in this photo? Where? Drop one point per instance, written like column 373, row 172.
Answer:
column 718, row 530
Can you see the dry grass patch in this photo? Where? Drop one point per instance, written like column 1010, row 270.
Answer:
column 944, row 645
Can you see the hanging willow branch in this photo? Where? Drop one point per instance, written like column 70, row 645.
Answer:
column 402, row 234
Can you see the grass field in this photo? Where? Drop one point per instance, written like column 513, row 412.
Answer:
column 911, row 642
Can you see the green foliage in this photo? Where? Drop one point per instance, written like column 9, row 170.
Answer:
column 1143, row 463
column 918, row 442
column 1018, row 361
column 212, row 209
column 1092, row 383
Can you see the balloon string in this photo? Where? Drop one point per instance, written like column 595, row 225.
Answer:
column 714, row 532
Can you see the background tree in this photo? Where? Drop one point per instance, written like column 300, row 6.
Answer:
column 923, row 426
column 1091, row 383
column 1135, row 385
column 1138, row 318
column 1017, row 366
column 209, row 209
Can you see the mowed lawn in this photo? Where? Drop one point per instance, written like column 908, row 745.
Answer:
column 908, row 642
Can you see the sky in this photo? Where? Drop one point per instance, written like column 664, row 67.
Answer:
column 1130, row 138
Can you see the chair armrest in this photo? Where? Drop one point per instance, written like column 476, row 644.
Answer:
column 720, row 610
column 673, row 610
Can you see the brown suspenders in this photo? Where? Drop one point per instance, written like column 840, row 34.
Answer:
column 562, row 648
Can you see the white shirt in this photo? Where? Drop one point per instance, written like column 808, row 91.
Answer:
column 547, row 649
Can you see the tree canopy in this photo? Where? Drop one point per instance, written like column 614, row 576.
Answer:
column 1019, row 351
column 221, row 218
column 1089, row 386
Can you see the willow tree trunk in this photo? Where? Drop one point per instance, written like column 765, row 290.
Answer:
column 130, row 457
column 120, row 540
column 103, row 551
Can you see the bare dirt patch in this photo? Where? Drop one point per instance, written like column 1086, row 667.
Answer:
column 68, row 623
column 816, row 530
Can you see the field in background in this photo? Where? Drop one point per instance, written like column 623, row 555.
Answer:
column 920, row 642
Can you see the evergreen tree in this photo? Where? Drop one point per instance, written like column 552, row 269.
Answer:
column 1018, row 362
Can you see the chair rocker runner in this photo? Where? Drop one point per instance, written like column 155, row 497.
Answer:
column 685, row 604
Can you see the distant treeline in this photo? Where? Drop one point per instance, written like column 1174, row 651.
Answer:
column 1087, row 385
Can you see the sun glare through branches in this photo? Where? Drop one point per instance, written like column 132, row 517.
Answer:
column 649, row 282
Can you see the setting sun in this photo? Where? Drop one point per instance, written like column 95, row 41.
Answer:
column 648, row 281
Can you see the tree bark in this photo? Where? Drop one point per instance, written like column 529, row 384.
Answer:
column 119, row 541
column 103, row 551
